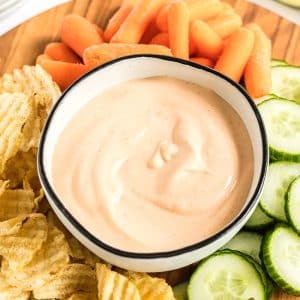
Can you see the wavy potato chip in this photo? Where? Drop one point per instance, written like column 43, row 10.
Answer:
column 3, row 186
column 16, row 202
column 17, row 168
column 115, row 286
column 50, row 259
column 82, row 254
column 12, row 226
column 82, row 296
column 151, row 287
column 8, row 292
column 15, row 110
column 71, row 279
column 38, row 85
column 19, row 248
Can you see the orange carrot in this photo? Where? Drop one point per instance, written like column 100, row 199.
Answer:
column 225, row 24
column 208, row 43
column 134, row 26
column 116, row 21
column 236, row 54
column 100, row 54
column 100, row 31
column 199, row 9
column 161, row 39
column 193, row 47
column 178, row 28
column 204, row 9
column 59, row 51
column 41, row 58
column 257, row 74
column 203, row 61
column 162, row 17
column 150, row 33
column 63, row 73
column 78, row 33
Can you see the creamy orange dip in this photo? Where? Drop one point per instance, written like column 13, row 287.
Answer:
column 154, row 164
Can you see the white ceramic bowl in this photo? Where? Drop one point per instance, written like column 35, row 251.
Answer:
column 141, row 66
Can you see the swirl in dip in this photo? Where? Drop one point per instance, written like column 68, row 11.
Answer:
column 154, row 164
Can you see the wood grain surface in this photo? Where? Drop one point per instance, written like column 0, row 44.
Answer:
column 22, row 45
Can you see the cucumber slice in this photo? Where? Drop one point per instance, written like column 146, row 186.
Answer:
column 281, row 256
column 227, row 274
column 259, row 220
column 282, row 123
column 180, row 291
column 292, row 204
column 294, row 3
column 279, row 177
column 278, row 62
column 246, row 242
column 286, row 82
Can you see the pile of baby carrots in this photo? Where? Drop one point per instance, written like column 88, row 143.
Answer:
column 207, row 32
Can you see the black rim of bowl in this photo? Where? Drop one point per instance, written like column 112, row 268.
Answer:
column 164, row 254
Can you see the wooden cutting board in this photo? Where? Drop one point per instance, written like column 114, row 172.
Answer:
column 21, row 46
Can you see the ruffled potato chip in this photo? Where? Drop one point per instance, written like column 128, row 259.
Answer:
column 19, row 248
column 15, row 110
column 8, row 292
column 17, row 168
column 50, row 259
column 16, row 202
column 71, row 279
column 34, row 82
column 82, row 296
column 81, row 254
column 12, row 226
column 115, row 286
column 151, row 287
column 3, row 186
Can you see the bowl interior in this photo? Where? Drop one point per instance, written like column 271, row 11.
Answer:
column 136, row 67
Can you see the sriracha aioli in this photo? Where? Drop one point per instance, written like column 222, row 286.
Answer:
column 154, row 164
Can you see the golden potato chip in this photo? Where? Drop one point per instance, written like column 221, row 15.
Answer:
column 80, row 253
column 34, row 82
column 19, row 248
column 8, row 292
column 50, row 259
column 12, row 226
column 151, row 287
column 17, row 168
column 54, row 221
column 16, row 202
column 82, row 296
column 3, row 186
column 115, row 286
column 71, row 279
column 14, row 112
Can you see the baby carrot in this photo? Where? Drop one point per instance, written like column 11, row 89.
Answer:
column 63, row 73
column 236, row 54
column 161, row 39
column 100, row 54
column 134, row 26
column 203, row 61
column 225, row 24
column 178, row 28
column 208, row 43
column 59, row 51
column 150, row 33
column 199, row 9
column 41, row 58
column 162, row 17
column 78, row 33
column 100, row 31
column 204, row 9
column 116, row 21
column 257, row 76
